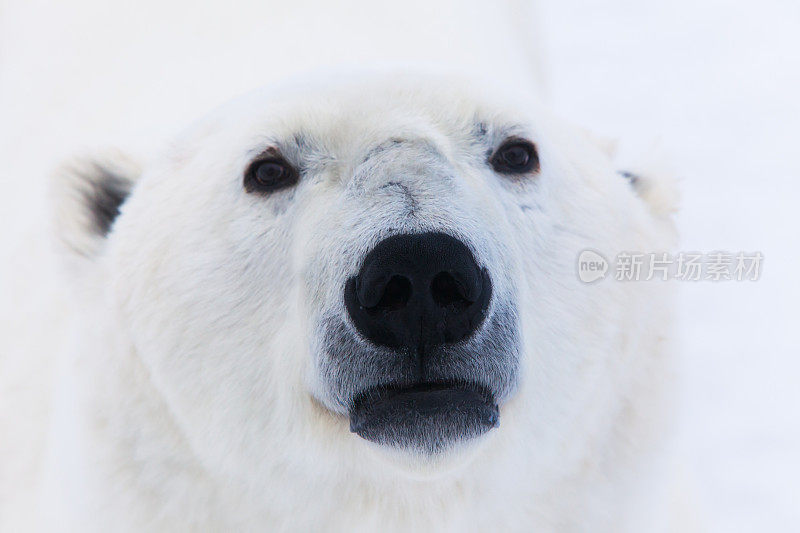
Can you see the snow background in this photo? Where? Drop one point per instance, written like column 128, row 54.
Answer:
column 715, row 83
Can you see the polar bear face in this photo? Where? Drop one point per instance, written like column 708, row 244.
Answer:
column 379, row 270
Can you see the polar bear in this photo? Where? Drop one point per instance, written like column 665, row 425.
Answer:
column 355, row 307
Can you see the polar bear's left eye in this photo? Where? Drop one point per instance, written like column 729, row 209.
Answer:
column 270, row 174
column 515, row 156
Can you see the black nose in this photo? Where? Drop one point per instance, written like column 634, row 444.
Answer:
column 418, row 290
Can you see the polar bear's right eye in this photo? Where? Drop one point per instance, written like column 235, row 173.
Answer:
column 269, row 174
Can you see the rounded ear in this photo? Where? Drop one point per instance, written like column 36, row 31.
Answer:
column 650, row 175
column 86, row 196
column 653, row 179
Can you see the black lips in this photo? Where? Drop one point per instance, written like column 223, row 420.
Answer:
column 426, row 417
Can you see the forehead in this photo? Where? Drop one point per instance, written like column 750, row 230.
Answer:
column 352, row 117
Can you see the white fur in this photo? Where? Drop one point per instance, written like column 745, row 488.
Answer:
column 187, row 396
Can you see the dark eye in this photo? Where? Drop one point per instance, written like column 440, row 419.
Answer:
column 268, row 175
column 515, row 156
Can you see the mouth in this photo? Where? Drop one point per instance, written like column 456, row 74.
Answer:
column 428, row 417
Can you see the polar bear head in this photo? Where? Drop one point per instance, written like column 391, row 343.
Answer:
column 384, row 269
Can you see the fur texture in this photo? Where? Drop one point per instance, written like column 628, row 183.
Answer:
column 193, row 391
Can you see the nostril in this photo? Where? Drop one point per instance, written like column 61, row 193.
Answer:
column 396, row 294
column 448, row 292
